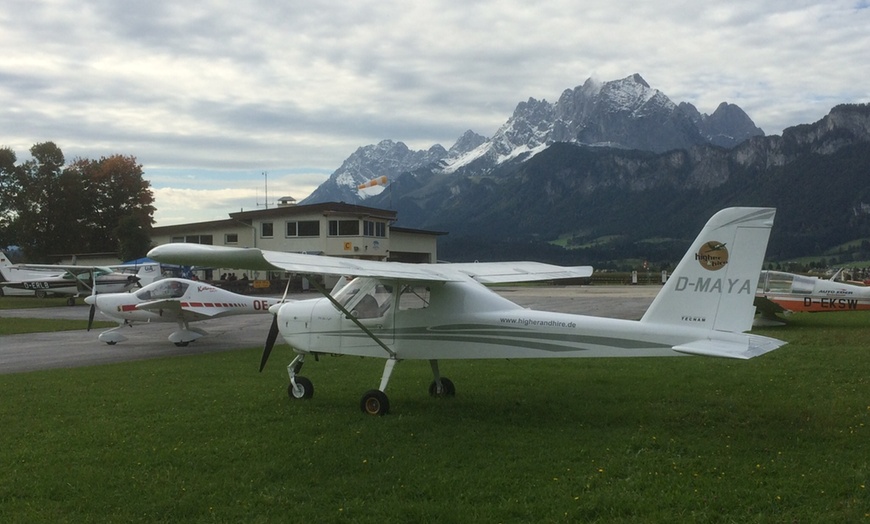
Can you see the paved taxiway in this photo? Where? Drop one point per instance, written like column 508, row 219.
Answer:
column 36, row 351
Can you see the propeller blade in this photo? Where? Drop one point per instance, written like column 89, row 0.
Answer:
column 270, row 342
column 91, row 316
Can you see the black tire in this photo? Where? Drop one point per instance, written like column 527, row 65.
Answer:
column 375, row 402
column 304, row 389
column 40, row 294
column 71, row 301
column 447, row 388
column 111, row 343
column 182, row 344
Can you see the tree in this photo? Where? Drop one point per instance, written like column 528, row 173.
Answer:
column 37, row 201
column 133, row 239
column 48, row 209
column 8, row 184
column 116, row 191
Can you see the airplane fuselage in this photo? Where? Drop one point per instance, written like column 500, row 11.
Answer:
column 476, row 323
column 811, row 294
column 67, row 286
column 198, row 301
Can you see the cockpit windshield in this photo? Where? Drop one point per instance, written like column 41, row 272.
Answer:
column 365, row 298
column 779, row 282
column 162, row 289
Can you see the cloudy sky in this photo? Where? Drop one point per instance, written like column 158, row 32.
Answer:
column 209, row 95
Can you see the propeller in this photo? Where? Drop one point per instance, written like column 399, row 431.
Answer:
column 93, row 300
column 91, row 315
column 270, row 342
column 273, row 331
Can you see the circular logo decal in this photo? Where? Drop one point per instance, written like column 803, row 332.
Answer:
column 712, row 256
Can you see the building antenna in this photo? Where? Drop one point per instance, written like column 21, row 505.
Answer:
column 266, row 188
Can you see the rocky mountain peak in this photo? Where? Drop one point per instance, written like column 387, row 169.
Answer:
column 466, row 143
column 626, row 113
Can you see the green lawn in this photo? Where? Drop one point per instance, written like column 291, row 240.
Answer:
column 781, row 438
column 26, row 302
column 14, row 326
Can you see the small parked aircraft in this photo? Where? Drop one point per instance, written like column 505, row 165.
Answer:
column 72, row 280
column 172, row 300
column 780, row 292
column 443, row 311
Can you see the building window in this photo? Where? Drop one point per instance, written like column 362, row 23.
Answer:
column 308, row 228
column 194, row 239
column 291, row 230
column 344, row 228
column 374, row 229
column 266, row 230
column 231, row 238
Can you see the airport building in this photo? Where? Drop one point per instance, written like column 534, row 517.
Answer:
column 333, row 228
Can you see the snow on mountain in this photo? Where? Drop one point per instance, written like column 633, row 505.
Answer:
column 625, row 113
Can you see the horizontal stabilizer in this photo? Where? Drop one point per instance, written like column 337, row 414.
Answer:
column 745, row 348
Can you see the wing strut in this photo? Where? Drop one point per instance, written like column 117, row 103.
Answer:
column 352, row 318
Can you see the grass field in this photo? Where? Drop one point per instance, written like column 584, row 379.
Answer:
column 781, row 438
column 13, row 326
column 23, row 302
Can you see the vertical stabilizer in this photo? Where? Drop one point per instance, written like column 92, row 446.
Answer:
column 713, row 286
column 5, row 265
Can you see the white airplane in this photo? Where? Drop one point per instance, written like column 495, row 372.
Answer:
column 443, row 311
column 781, row 292
column 72, row 280
column 172, row 300
column 146, row 272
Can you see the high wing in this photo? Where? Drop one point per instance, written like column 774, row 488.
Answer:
column 257, row 259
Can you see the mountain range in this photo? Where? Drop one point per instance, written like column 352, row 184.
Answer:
column 617, row 170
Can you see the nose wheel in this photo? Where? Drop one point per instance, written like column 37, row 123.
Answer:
column 302, row 389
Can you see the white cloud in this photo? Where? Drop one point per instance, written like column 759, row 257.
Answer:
column 218, row 87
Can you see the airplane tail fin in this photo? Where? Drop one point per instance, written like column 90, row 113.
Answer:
column 713, row 286
column 5, row 264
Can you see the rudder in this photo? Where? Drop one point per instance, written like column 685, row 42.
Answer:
column 713, row 286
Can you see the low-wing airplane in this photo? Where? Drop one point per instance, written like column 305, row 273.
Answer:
column 71, row 280
column 781, row 292
column 438, row 312
column 172, row 300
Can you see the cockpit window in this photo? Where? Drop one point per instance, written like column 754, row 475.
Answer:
column 778, row 282
column 365, row 298
column 163, row 289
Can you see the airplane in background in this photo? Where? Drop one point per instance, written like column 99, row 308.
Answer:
column 60, row 279
column 146, row 272
column 438, row 312
column 172, row 300
column 780, row 292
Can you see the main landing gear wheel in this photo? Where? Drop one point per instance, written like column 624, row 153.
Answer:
column 447, row 388
column 40, row 294
column 304, row 388
column 375, row 402
column 71, row 301
column 182, row 344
